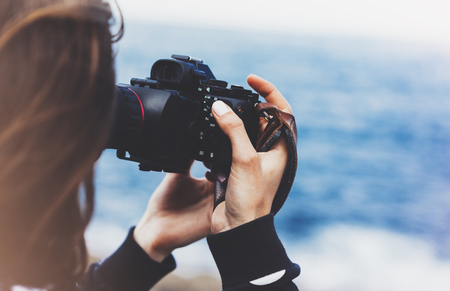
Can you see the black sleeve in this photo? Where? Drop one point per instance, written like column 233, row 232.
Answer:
column 251, row 257
column 129, row 268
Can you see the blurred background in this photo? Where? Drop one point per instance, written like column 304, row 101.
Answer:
column 369, row 83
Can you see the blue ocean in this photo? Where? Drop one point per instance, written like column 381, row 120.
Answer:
column 370, row 207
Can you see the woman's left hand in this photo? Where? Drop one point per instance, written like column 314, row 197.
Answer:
column 178, row 214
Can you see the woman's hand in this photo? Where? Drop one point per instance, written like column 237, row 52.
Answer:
column 179, row 211
column 254, row 177
column 178, row 214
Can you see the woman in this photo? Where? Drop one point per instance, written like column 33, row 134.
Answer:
column 57, row 95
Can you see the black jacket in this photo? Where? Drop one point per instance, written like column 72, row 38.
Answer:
column 244, row 255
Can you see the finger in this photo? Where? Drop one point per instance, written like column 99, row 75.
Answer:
column 210, row 177
column 207, row 165
column 209, row 180
column 275, row 160
column 234, row 128
column 269, row 92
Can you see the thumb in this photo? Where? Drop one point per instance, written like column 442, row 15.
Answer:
column 234, row 128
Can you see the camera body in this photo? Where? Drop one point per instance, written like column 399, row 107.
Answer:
column 165, row 121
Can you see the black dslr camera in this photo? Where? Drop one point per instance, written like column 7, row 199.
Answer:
column 164, row 121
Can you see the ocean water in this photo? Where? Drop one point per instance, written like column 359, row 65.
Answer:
column 370, row 207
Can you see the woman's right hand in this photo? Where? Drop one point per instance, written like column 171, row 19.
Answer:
column 255, row 176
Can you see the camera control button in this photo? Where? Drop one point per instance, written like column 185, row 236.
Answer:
column 238, row 109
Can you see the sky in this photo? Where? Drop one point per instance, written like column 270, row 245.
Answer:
column 417, row 21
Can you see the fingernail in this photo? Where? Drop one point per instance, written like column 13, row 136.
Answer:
column 220, row 108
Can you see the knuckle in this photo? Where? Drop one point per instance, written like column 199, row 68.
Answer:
column 234, row 123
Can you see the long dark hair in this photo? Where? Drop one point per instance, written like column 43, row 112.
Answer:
column 56, row 98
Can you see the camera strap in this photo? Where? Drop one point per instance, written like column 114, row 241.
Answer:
column 279, row 125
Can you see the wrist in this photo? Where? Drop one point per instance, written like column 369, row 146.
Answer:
column 149, row 244
column 228, row 221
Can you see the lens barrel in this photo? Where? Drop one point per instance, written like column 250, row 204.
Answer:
column 128, row 121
